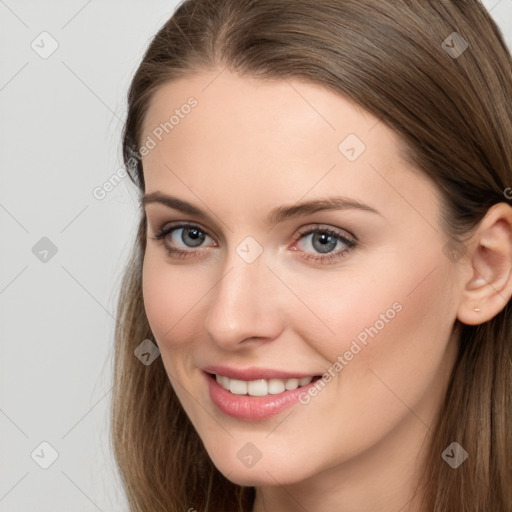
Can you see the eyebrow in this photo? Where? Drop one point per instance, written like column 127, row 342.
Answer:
column 275, row 216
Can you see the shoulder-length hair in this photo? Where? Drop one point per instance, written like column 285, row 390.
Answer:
column 451, row 107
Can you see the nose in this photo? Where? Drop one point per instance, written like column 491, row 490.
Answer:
column 244, row 304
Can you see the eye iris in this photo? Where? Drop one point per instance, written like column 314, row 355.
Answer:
column 325, row 246
column 195, row 234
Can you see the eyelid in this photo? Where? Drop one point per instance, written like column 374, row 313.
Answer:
column 346, row 237
column 300, row 232
column 338, row 232
column 168, row 226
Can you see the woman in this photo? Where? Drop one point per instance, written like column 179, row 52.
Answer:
column 319, row 294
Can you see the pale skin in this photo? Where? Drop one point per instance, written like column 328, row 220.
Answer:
column 250, row 146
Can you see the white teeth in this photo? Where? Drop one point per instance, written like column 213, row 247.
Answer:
column 292, row 384
column 223, row 381
column 305, row 380
column 276, row 386
column 238, row 387
column 261, row 387
column 257, row 387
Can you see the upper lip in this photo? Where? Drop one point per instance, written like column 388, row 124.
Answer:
column 254, row 373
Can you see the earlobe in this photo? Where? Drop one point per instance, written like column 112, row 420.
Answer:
column 489, row 288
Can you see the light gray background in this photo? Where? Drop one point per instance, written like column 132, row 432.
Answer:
column 60, row 129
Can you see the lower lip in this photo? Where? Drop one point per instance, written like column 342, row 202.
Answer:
column 247, row 407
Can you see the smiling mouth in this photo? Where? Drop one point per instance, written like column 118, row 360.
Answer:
column 261, row 387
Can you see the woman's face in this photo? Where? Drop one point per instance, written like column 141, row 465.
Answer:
column 360, row 293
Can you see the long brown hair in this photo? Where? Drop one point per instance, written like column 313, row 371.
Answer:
column 450, row 105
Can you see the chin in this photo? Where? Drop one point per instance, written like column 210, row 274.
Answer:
column 249, row 479
column 262, row 473
column 253, row 477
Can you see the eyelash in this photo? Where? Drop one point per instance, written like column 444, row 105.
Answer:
column 327, row 258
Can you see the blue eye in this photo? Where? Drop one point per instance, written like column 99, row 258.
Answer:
column 324, row 241
column 192, row 236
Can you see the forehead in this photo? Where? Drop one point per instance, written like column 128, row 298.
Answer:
column 271, row 137
column 255, row 109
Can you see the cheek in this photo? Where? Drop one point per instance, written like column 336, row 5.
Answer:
column 395, row 361
column 172, row 296
column 172, row 301
column 393, row 322
column 342, row 309
column 388, row 357
column 397, row 304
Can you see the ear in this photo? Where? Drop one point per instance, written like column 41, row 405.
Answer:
column 489, row 261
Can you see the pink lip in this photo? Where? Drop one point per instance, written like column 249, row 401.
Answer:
column 248, row 407
column 254, row 373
